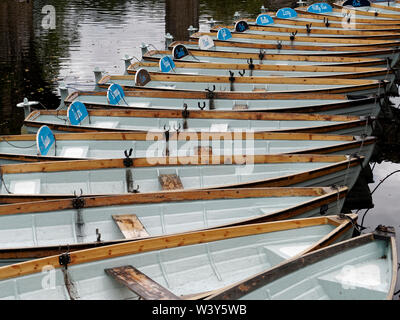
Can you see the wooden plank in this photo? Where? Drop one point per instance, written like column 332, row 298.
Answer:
column 130, row 226
column 141, row 284
column 170, row 182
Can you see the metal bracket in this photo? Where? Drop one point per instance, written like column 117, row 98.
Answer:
column 231, row 80
column 201, row 107
column 251, row 65
column 78, row 202
column 98, row 234
column 293, row 36
column 64, row 259
column 185, row 115
column 308, row 27
column 279, row 45
column 326, row 21
column 261, row 55
column 210, row 96
column 128, row 162
column 323, row 210
column 243, row 73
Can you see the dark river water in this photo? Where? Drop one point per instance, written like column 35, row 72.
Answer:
column 38, row 54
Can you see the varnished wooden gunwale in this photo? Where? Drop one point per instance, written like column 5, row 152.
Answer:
column 336, row 33
column 338, row 41
column 181, row 136
column 323, row 196
column 177, row 77
column 357, row 26
column 339, row 8
column 188, row 94
column 394, row 20
column 258, row 95
column 349, row 61
column 327, row 51
column 379, row 6
column 241, row 288
column 350, row 121
column 158, row 243
column 204, row 114
column 349, row 142
column 164, row 197
column 80, row 165
column 264, row 67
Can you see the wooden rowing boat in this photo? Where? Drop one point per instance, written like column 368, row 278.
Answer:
column 378, row 11
column 311, row 28
column 392, row 6
column 236, row 82
column 263, row 57
column 235, row 48
column 330, row 18
column 266, row 70
column 58, row 225
column 176, row 266
column 293, row 42
column 333, row 104
column 350, row 16
column 111, row 145
column 63, row 179
column 265, row 25
column 198, row 121
column 362, row 268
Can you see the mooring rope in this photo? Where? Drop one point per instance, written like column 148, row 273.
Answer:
column 379, row 184
column 19, row 147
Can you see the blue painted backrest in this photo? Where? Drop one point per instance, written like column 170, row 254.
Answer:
column 357, row 3
column 224, row 34
column 115, row 94
column 77, row 113
column 44, row 140
column 264, row 19
column 166, row 64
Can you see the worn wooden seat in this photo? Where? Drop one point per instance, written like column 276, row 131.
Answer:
column 141, row 284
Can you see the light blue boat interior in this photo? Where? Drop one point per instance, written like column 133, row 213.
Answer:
column 183, row 270
column 366, row 109
column 255, row 73
column 244, row 61
column 362, row 273
column 246, row 87
column 114, row 149
column 340, row 14
column 60, row 227
column 114, row 181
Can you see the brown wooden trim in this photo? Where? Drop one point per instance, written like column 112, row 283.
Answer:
column 242, row 66
column 345, row 33
column 394, row 20
column 175, row 77
column 79, row 165
column 358, row 26
column 146, row 245
column 343, row 58
column 187, row 94
column 361, row 43
column 292, row 212
column 339, row 8
column 377, row 5
column 198, row 114
column 137, row 136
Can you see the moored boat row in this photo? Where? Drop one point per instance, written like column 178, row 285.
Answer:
column 215, row 169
